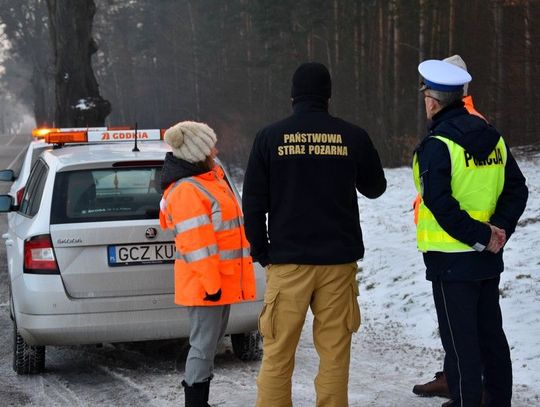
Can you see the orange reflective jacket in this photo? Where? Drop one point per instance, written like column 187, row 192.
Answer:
column 467, row 100
column 212, row 251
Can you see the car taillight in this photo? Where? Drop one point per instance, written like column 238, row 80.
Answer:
column 19, row 195
column 39, row 256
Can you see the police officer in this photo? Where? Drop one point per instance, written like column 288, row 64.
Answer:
column 439, row 386
column 473, row 194
column 303, row 172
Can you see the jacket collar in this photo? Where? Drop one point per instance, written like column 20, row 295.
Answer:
column 448, row 112
column 216, row 172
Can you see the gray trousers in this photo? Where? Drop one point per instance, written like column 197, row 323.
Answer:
column 207, row 328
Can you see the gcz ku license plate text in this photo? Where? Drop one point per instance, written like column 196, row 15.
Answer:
column 131, row 255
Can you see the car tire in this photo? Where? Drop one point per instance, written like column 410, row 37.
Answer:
column 27, row 359
column 247, row 346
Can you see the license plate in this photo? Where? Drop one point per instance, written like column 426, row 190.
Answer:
column 132, row 255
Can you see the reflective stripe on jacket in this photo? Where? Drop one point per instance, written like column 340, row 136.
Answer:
column 212, row 251
column 475, row 184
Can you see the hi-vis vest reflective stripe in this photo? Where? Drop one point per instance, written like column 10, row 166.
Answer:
column 476, row 185
column 201, row 220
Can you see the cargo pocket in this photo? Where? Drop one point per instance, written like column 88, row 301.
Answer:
column 268, row 315
column 353, row 317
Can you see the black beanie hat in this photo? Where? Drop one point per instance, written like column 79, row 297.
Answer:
column 311, row 79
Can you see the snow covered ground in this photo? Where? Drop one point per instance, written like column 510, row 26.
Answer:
column 394, row 290
column 398, row 343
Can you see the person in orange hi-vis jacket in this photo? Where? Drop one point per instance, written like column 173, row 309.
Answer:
column 439, row 386
column 213, row 268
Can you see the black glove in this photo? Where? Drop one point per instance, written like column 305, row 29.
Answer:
column 213, row 297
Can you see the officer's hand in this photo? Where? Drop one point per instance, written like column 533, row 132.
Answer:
column 497, row 240
column 213, row 297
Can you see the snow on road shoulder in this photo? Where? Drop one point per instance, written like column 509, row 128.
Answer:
column 394, row 290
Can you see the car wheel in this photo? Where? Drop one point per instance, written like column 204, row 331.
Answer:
column 247, row 346
column 27, row 359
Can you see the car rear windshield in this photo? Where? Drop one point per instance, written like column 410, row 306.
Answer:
column 100, row 195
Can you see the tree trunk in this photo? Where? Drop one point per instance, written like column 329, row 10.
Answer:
column 41, row 107
column 78, row 102
column 529, row 119
column 356, row 56
column 336, row 34
column 451, row 25
column 396, row 68
column 497, row 78
column 195, row 62
column 420, row 113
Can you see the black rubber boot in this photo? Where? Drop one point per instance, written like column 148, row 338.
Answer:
column 206, row 384
column 197, row 394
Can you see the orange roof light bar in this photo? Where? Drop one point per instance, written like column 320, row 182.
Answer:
column 96, row 134
column 40, row 133
column 66, row 137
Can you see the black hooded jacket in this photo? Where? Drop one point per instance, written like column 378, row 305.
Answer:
column 307, row 185
column 479, row 139
column 175, row 168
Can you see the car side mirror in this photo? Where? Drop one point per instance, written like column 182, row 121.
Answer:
column 6, row 204
column 7, row 175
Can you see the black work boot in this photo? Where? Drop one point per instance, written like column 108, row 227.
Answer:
column 206, row 384
column 437, row 387
column 197, row 394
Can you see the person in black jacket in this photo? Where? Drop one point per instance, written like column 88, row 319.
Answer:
column 303, row 173
column 473, row 194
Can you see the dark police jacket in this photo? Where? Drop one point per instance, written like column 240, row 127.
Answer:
column 304, row 172
column 478, row 138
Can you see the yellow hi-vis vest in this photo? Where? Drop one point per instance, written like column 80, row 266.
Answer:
column 476, row 185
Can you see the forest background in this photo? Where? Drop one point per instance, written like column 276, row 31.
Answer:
column 229, row 63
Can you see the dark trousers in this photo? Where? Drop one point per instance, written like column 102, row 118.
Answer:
column 477, row 352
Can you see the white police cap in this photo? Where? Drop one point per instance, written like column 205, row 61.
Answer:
column 443, row 76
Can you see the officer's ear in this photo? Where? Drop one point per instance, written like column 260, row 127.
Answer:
column 432, row 105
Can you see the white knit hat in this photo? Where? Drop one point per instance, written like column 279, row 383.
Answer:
column 191, row 141
column 459, row 62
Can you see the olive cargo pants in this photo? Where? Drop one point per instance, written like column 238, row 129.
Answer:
column 331, row 292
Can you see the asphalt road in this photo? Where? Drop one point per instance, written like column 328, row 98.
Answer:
column 149, row 373
column 123, row 374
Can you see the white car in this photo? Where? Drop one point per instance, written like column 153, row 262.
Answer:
column 87, row 260
column 19, row 176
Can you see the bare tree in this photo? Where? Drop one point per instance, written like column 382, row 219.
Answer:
column 78, row 101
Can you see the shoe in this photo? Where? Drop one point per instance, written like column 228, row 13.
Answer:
column 197, row 394
column 437, row 387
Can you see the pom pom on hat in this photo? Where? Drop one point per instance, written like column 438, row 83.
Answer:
column 457, row 61
column 191, row 141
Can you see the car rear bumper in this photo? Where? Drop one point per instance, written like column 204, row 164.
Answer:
column 45, row 315
column 125, row 326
